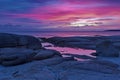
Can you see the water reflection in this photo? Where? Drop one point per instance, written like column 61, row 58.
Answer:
column 78, row 53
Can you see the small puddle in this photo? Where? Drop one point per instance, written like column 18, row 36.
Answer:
column 78, row 53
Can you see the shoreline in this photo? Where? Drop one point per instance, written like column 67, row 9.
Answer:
column 35, row 62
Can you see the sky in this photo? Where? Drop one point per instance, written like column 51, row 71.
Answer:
column 59, row 15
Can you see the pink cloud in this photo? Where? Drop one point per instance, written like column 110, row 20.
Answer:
column 69, row 11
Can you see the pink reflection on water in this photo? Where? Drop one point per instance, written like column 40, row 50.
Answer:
column 48, row 34
column 66, row 50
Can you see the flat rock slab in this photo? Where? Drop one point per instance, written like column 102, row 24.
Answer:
column 57, row 68
column 88, row 66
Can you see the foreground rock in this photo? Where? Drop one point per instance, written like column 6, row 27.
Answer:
column 96, row 66
column 57, row 68
column 19, row 49
column 15, row 56
column 107, row 49
column 12, row 40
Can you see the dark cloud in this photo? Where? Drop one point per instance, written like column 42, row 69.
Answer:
column 42, row 1
column 24, row 6
column 112, row 1
column 16, row 6
column 28, row 20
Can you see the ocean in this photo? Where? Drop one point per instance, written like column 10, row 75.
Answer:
column 69, row 33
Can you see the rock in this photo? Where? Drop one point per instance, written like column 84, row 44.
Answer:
column 15, row 56
column 106, row 49
column 36, row 74
column 8, row 40
column 29, row 42
column 76, row 42
column 107, row 63
column 100, row 67
column 45, row 74
column 57, row 68
column 84, row 45
column 51, row 61
column 12, row 40
column 84, row 42
column 86, row 75
column 45, row 53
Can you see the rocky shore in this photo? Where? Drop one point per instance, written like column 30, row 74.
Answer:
column 23, row 57
column 84, row 42
column 104, row 45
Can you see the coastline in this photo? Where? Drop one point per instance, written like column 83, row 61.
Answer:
column 50, row 63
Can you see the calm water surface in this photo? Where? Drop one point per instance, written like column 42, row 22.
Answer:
column 73, row 33
column 74, row 51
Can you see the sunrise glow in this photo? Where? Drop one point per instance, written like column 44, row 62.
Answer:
column 58, row 14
